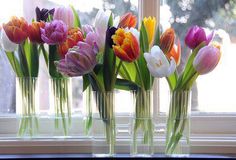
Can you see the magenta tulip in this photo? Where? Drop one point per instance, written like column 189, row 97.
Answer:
column 206, row 59
column 196, row 35
column 54, row 32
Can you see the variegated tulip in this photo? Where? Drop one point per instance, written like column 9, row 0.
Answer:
column 125, row 45
column 16, row 29
column 206, row 59
column 158, row 64
column 127, row 20
column 167, row 40
column 150, row 26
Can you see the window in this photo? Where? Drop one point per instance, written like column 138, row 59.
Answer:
column 211, row 130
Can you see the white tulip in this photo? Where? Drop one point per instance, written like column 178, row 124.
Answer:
column 6, row 43
column 158, row 64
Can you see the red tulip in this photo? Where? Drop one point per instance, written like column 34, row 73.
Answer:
column 175, row 52
column 16, row 29
column 35, row 33
column 128, row 20
column 167, row 40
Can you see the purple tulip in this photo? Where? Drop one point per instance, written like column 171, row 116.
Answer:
column 206, row 59
column 87, row 28
column 54, row 32
column 196, row 35
column 65, row 14
column 42, row 15
column 79, row 60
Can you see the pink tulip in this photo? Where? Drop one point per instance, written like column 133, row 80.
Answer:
column 65, row 14
column 54, row 32
column 206, row 59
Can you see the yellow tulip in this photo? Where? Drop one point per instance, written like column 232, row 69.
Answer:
column 150, row 26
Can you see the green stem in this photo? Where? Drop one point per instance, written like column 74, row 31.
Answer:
column 115, row 75
column 100, row 87
column 45, row 54
column 139, row 74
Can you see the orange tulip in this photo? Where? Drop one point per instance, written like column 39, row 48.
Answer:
column 34, row 31
column 127, row 20
column 167, row 40
column 16, row 29
column 175, row 52
column 74, row 36
column 126, row 45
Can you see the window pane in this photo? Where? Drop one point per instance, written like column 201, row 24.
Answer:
column 213, row 92
column 87, row 11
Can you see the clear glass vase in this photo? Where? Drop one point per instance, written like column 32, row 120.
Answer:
column 178, row 124
column 103, row 127
column 60, row 104
column 87, row 112
column 27, row 106
column 142, row 126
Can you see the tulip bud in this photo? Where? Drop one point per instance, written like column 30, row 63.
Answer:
column 150, row 26
column 167, row 40
column 65, row 14
column 34, row 32
column 206, row 59
column 195, row 36
column 127, row 20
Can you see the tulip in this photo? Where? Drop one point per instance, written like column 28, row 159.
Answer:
column 16, row 29
column 74, row 36
column 126, row 45
column 6, row 44
column 79, row 61
column 158, row 64
column 150, row 26
column 175, row 52
column 127, row 20
column 101, row 24
column 65, row 14
column 206, row 59
column 87, row 28
column 167, row 40
column 35, row 33
column 43, row 14
column 196, row 35
column 54, row 32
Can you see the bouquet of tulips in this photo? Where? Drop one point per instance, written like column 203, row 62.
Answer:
column 163, row 61
column 21, row 42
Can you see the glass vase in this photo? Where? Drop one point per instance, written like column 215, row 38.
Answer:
column 103, row 127
column 27, row 106
column 60, row 104
column 178, row 124
column 142, row 126
column 87, row 112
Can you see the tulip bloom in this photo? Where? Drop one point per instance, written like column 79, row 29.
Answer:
column 100, row 25
column 65, row 14
column 79, row 61
column 54, row 32
column 127, row 20
column 175, row 52
column 167, row 40
column 206, row 59
column 74, row 36
column 150, row 26
column 6, row 44
column 16, row 29
column 42, row 15
column 157, row 63
column 34, row 31
column 196, row 35
column 126, row 45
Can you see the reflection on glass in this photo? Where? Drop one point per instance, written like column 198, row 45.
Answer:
column 215, row 91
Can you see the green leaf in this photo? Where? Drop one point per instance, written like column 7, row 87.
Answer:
column 85, row 82
column 142, row 64
column 157, row 36
column 125, row 85
column 53, row 56
column 32, row 57
column 14, row 63
column 172, row 80
column 109, row 62
column 23, row 60
column 76, row 18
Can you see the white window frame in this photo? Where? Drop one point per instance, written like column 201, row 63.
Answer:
column 210, row 132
